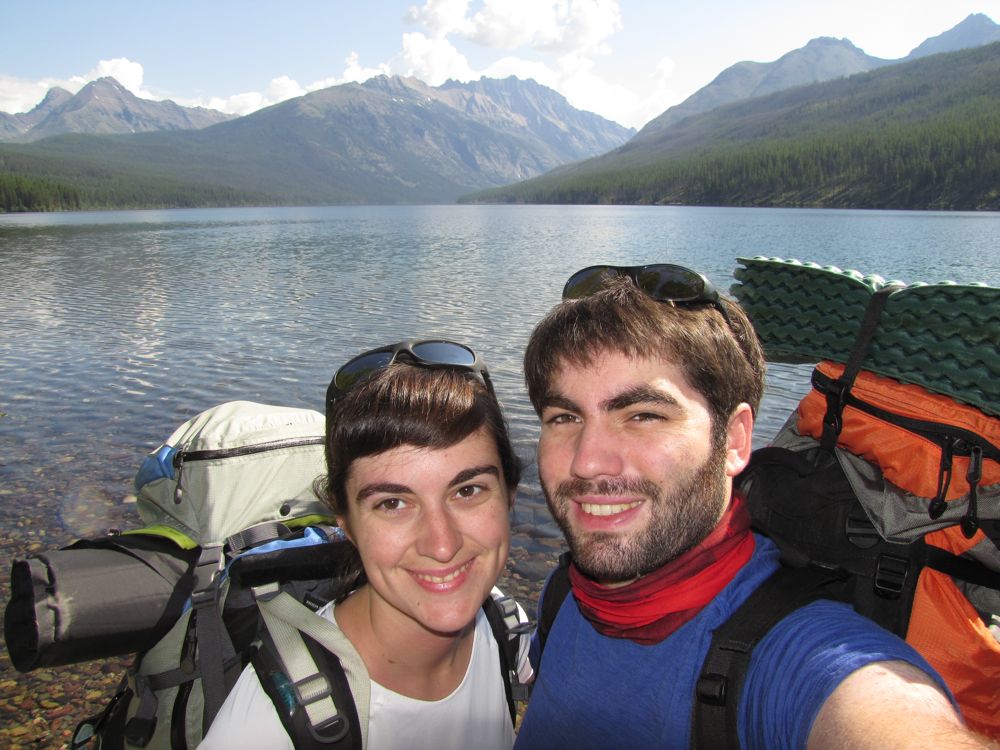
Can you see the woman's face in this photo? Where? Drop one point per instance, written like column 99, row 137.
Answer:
column 432, row 529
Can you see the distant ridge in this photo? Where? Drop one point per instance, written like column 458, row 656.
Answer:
column 388, row 140
column 975, row 31
column 821, row 59
column 103, row 106
column 923, row 134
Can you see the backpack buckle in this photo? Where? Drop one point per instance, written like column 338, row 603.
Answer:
column 861, row 531
column 890, row 576
column 711, row 689
column 313, row 688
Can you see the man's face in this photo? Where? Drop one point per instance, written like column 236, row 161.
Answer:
column 628, row 464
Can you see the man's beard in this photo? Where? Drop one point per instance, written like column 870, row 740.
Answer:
column 679, row 520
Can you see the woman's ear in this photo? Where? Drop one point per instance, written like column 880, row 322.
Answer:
column 739, row 437
column 342, row 523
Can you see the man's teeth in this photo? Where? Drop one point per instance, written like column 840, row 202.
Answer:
column 604, row 509
column 443, row 579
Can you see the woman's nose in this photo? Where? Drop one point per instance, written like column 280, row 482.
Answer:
column 440, row 538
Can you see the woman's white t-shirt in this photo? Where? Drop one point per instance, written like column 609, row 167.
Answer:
column 475, row 715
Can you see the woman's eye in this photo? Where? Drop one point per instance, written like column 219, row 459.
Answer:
column 390, row 504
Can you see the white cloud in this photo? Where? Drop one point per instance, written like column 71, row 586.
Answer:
column 283, row 88
column 441, row 17
column 18, row 95
column 554, row 26
column 577, row 30
column 434, row 60
column 129, row 74
column 354, row 72
column 523, row 69
column 532, row 30
column 278, row 90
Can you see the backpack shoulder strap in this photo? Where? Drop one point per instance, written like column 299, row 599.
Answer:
column 271, row 672
column 501, row 613
column 332, row 697
column 555, row 593
column 720, row 684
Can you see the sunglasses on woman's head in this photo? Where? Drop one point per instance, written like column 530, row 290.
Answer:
column 432, row 353
column 664, row 282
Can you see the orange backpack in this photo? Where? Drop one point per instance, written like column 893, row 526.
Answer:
column 943, row 458
column 888, row 473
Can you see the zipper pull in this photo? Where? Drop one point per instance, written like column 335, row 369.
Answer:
column 970, row 521
column 178, row 467
column 938, row 505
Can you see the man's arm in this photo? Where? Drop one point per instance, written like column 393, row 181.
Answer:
column 890, row 704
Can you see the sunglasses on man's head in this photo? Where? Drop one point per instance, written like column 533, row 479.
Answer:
column 661, row 281
column 422, row 353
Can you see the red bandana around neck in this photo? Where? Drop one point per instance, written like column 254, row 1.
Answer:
column 653, row 606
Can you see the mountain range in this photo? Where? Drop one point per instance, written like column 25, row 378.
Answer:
column 822, row 59
column 101, row 107
column 387, row 140
column 923, row 134
column 393, row 139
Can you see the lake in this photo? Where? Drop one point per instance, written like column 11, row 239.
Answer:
column 115, row 327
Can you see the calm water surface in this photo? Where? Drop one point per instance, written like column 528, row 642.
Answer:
column 115, row 327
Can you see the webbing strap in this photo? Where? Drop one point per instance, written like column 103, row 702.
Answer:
column 556, row 590
column 214, row 646
column 284, row 618
column 715, row 715
column 262, row 532
column 962, row 568
column 833, row 421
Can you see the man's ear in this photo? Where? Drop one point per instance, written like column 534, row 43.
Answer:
column 739, row 436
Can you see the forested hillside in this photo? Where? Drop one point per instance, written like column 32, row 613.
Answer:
column 922, row 135
column 31, row 183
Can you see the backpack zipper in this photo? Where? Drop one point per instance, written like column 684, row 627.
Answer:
column 181, row 457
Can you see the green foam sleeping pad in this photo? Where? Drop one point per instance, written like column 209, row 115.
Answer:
column 944, row 336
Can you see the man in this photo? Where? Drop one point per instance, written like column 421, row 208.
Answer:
column 647, row 387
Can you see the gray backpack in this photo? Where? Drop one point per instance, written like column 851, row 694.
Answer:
column 226, row 502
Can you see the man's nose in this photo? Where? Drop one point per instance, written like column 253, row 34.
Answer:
column 597, row 453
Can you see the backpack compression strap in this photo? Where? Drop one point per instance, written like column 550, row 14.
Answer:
column 833, row 422
column 717, row 693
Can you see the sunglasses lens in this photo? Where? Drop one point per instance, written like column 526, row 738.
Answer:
column 360, row 368
column 671, row 283
column 444, row 353
column 588, row 281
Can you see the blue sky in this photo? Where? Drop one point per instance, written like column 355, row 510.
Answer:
column 627, row 60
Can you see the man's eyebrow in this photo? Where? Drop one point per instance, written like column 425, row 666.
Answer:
column 555, row 401
column 639, row 394
column 466, row 474
column 388, row 487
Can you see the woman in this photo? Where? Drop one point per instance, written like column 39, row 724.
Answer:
column 421, row 477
